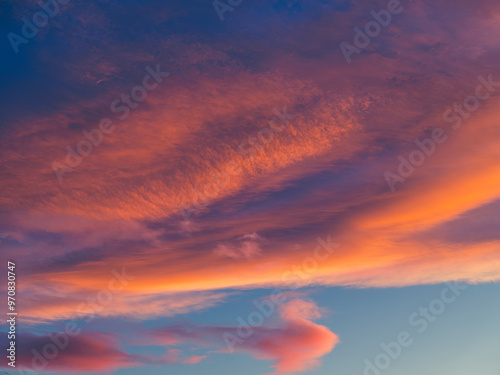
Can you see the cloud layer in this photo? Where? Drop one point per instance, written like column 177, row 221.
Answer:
column 261, row 140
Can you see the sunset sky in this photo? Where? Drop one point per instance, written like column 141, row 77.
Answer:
column 251, row 187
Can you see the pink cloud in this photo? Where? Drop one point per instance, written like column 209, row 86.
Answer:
column 293, row 342
column 85, row 352
column 300, row 344
column 194, row 359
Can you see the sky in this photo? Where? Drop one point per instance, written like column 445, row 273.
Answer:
column 262, row 187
